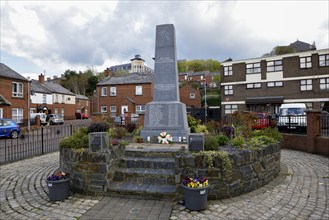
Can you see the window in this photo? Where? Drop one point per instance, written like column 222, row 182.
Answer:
column 306, row 84
column 252, row 68
column 56, row 99
column 104, row 91
column 305, row 62
column 63, row 98
column 192, row 95
column 140, row 109
column 56, row 110
column 229, row 109
column 17, row 90
column 17, row 115
column 1, row 112
column 185, row 77
column 324, row 60
column 103, row 109
column 275, row 84
column 113, row 110
column 324, row 84
column 254, row 85
column 274, row 66
column 201, row 77
column 113, row 91
column 63, row 111
column 139, row 90
column 228, row 71
column 44, row 98
column 228, row 90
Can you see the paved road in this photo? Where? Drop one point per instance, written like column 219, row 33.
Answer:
column 300, row 192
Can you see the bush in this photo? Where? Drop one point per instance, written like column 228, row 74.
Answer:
column 118, row 132
column 269, row 132
column 257, row 142
column 192, row 123
column 79, row 139
column 238, row 142
column 229, row 131
column 201, row 129
column 222, row 139
column 211, row 143
column 130, row 127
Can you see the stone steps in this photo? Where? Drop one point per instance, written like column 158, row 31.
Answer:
column 145, row 171
column 144, row 162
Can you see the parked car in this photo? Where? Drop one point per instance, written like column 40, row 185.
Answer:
column 42, row 116
column 263, row 120
column 292, row 116
column 9, row 128
column 79, row 115
column 55, row 119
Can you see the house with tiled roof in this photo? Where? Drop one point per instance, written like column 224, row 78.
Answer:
column 82, row 104
column 52, row 98
column 13, row 95
column 128, row 93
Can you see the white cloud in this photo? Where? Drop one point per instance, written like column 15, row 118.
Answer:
column 60, row 35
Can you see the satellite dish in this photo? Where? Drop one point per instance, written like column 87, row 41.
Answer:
column 32, row 92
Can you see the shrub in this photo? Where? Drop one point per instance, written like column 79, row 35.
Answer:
column 269, row 132
column 229, row 131
column 79, row 139
column 201, row 129
column 222, row 139
column 211, row 143
column 118, row 132
column 238, row 142
column 257, row 142
column 192, row 123
column 130, row 127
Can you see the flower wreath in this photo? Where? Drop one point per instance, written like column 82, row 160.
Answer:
column 165, row 138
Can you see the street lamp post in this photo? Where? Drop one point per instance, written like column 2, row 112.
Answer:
column 28, row 104
column 205, row 102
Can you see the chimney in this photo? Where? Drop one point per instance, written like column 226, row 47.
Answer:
column 41, row 78
column 107, row 73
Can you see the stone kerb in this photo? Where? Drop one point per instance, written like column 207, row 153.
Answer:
column 250, row 170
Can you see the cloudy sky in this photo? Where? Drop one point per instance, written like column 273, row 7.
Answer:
column 54, row 36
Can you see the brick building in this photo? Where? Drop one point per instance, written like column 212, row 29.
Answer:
column 128, row 93
column 13, row 95
column 263, row 84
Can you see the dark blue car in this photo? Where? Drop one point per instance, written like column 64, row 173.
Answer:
column 9, row 128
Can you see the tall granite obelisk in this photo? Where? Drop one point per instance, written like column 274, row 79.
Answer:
column 165, row 112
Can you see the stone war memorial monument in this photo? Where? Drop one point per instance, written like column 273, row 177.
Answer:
column 165, row 113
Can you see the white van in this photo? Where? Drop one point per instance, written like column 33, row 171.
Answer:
column 43, row 117
column 292, row 116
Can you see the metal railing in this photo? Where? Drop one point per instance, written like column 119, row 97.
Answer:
column 35, row 142
column 324, row 125
column 292, row 124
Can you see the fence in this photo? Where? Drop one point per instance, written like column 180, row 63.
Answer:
column 35, row 142
column 324, row 125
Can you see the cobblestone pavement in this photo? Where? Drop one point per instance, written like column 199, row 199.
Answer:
column 300, row 192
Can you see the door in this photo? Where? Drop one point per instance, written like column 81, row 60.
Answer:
column 124, row 108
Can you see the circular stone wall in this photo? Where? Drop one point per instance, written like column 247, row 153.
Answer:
column 249, row 170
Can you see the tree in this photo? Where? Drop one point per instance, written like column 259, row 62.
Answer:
column 83, row 83
column 198, row 65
